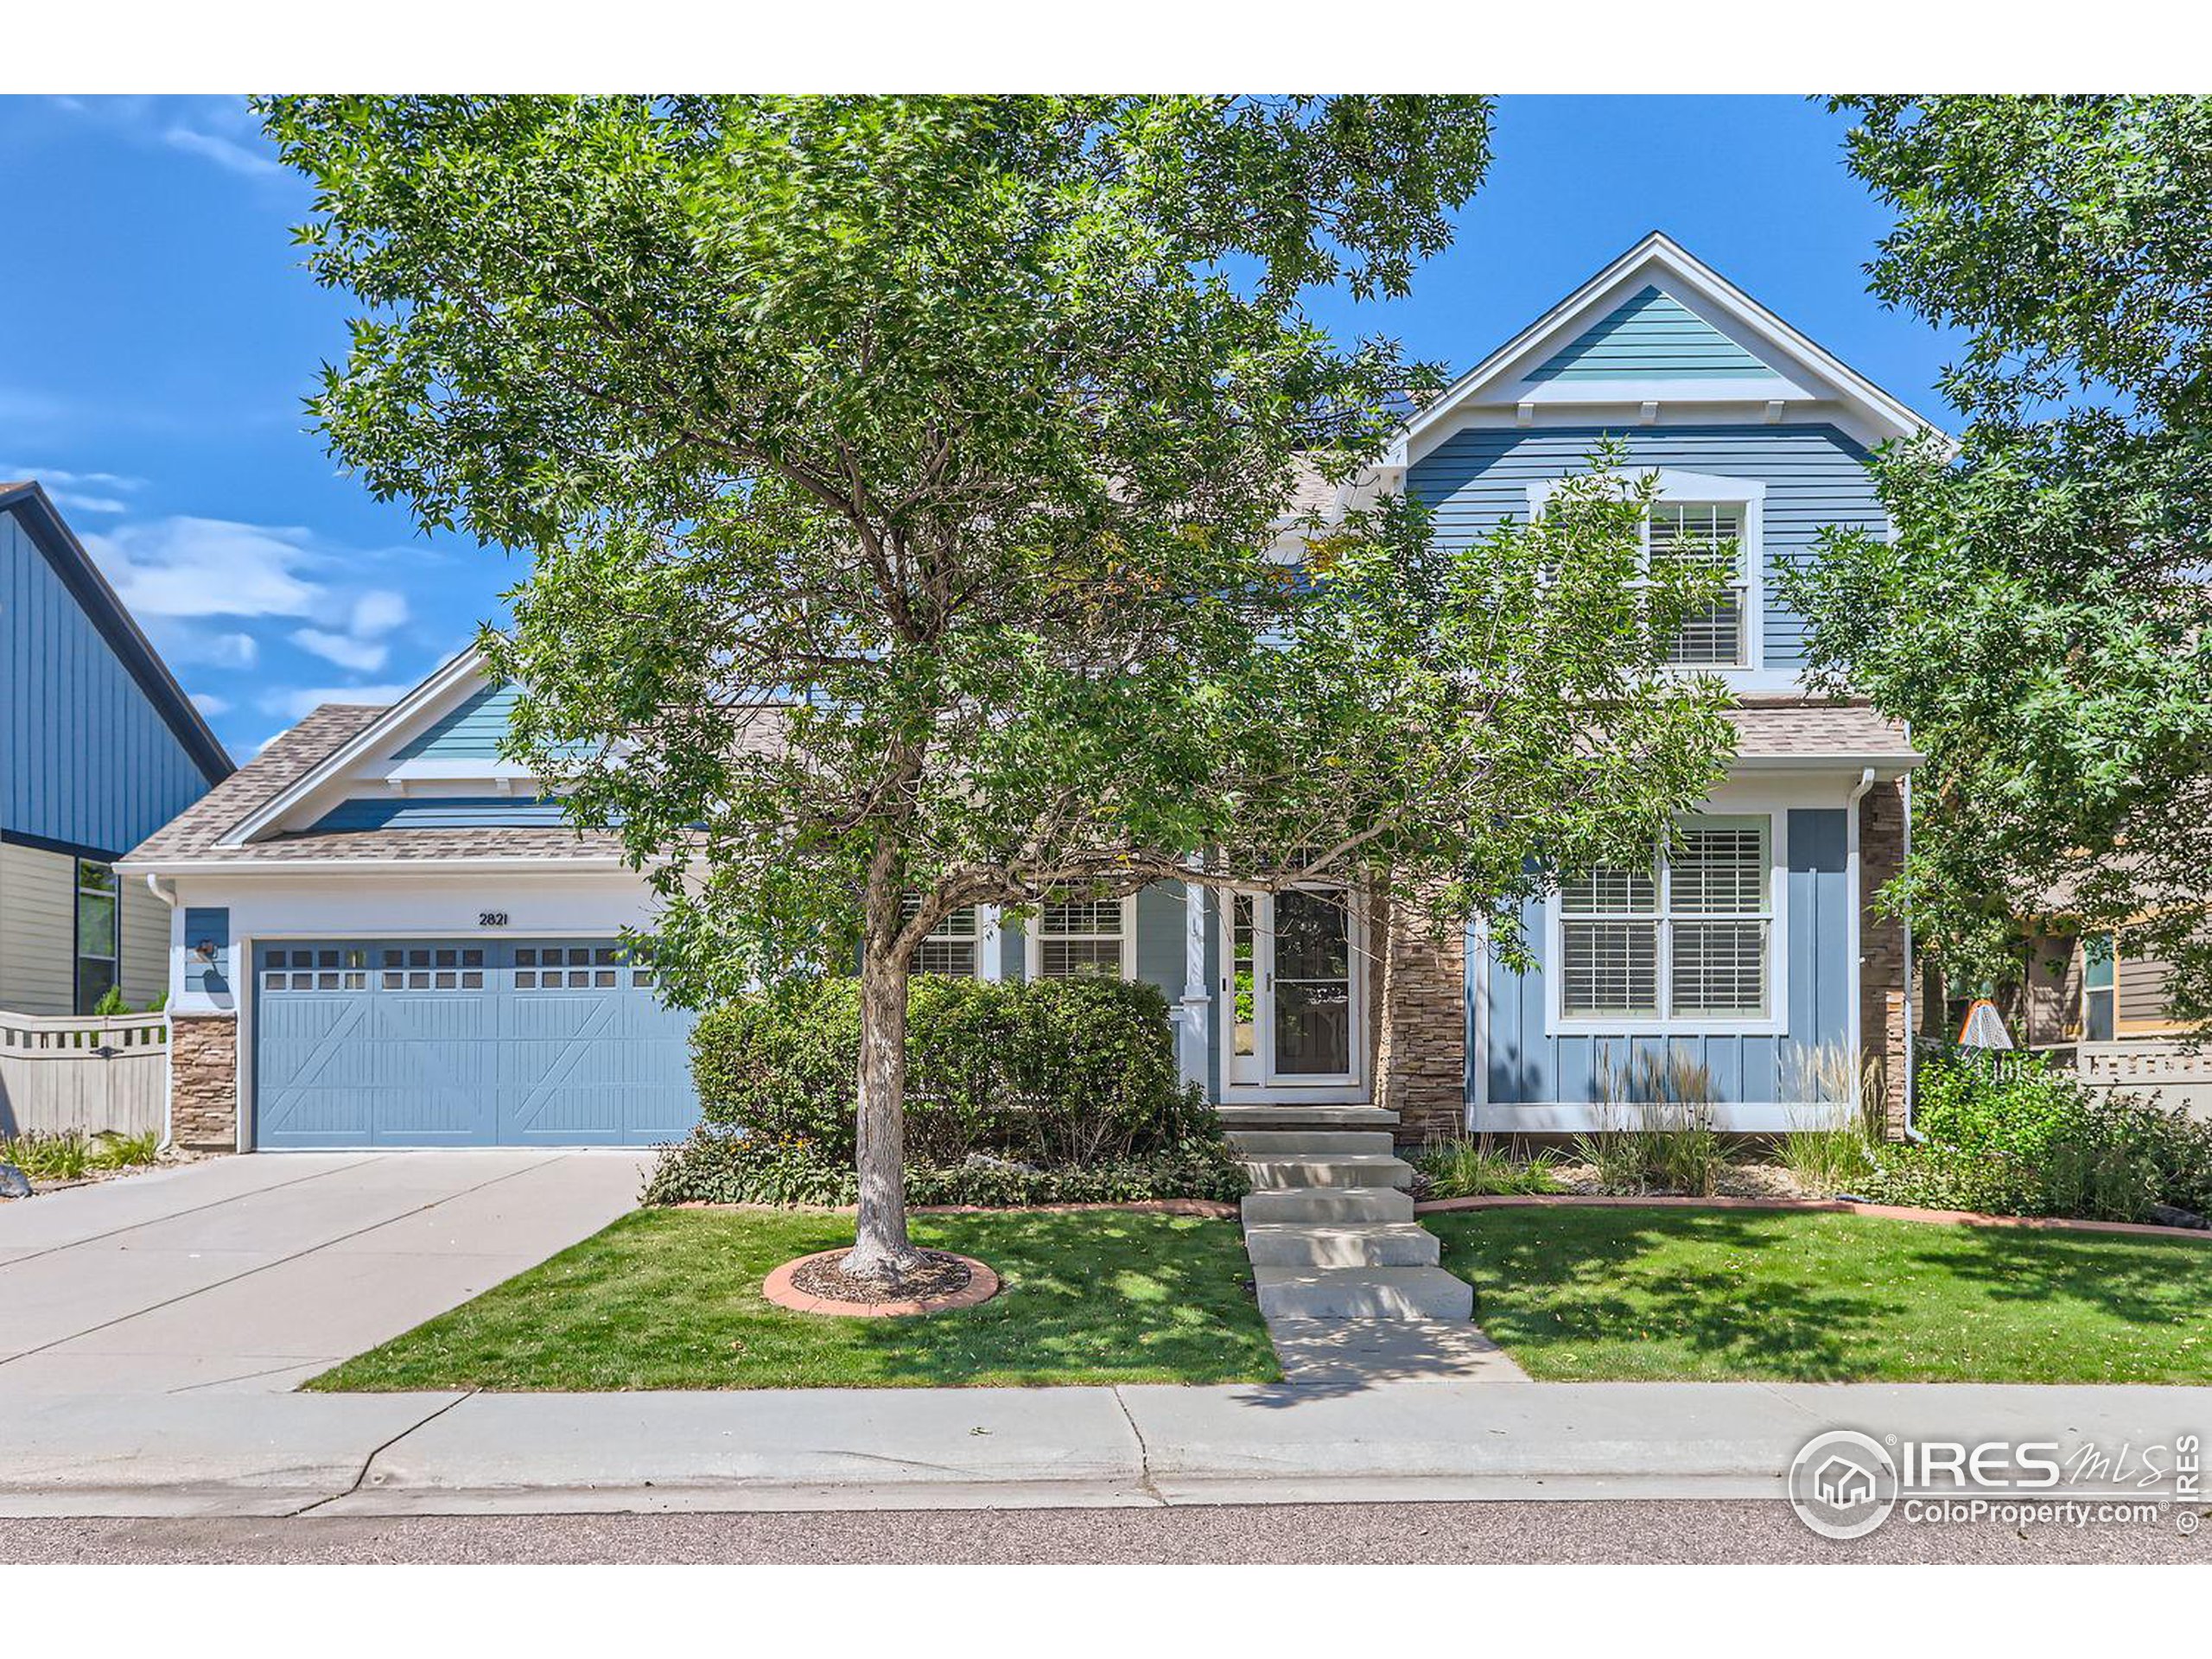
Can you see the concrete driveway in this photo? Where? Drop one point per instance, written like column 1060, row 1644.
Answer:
column 259, row 1272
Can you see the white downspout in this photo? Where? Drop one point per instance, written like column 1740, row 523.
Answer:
column 1852, row 925
column 168, row 895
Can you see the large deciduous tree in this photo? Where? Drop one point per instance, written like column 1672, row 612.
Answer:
column 911, row 485
column 2042, row 616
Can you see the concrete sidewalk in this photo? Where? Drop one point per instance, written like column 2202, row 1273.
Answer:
column 231, row 1453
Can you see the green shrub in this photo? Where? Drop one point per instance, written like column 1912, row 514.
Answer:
column 1654, row 1132
column 1827, row 1161
column 2012, row 1137
column 72, row 1156
column 1058, row 1091
column 1474, row 1167
column 714, row 1166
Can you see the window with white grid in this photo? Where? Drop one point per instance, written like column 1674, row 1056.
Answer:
column 1707, row 535
column 954, row 946
column 1087, row 936
column 1717, row 906
column 1691, row 936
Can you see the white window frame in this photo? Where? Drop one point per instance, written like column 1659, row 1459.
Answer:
column 985, row 938
column 1032, row 933
column 1773, row 1022
column 1748, row 496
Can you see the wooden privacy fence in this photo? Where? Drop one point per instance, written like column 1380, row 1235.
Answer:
column 61, row 1075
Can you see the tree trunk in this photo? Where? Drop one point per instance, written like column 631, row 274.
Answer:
column 882, row 1248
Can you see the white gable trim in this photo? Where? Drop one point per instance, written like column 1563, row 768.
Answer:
column 445, row 689
column 1810, row 376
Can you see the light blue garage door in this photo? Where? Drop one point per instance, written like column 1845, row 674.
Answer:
column 464, row 1043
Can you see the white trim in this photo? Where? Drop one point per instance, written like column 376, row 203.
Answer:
column 1718, row 490
column 425, row 702
column 1775, row 1022
column 1197, row 1007
column 1336, row 1090
column 1736, row 1116
column 472, row 772
column 1034, row 941
column 1498, row 378
column 990, row 952
column 1479, row 1047
column 1852, row 903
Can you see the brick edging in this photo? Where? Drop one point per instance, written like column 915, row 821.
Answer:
column 982, row 1285
column 1203, row 1209
column 1834, row 1206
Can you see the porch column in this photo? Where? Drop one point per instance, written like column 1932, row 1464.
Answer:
column 1195, row 1036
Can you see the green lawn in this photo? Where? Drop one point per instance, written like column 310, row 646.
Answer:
column 670, row 1298
column 1657, row 1294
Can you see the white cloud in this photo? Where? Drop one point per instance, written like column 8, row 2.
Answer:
column 227, row 153
column 76, row 503
column 58, row 478
column 298, row 702
column 210, row 705
column 362, row 656
column 210, row 567
column 379, row 611
column 187, row 642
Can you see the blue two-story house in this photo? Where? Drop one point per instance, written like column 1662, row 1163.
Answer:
column 384, row 937
column 99, row 747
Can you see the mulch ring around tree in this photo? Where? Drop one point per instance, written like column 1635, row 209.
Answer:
column 940, row 1283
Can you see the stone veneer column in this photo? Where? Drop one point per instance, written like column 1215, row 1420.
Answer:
column 1420, row 1051
column 204, row 1082
column 1883, row 1036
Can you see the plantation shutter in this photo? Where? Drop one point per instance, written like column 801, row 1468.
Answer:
column 1711, row 536
column 1717, row 907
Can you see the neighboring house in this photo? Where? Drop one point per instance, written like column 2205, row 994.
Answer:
column 98, row 748
column 2095, row 1004
column 383, row 936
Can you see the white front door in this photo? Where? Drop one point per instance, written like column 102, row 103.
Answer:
column 1292, row 989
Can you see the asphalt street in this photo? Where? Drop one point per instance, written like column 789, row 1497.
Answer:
column 1640, row 1531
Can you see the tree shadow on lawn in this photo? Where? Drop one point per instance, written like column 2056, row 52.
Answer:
column 1674, row 1294
column 671, row 1300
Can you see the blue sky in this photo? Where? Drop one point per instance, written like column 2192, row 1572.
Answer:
column 161, row 336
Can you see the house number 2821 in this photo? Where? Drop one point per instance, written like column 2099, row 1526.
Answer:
column 491, row 919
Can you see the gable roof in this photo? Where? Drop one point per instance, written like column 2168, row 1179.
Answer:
column 201, row 835
column 1701, row 341
column 1651, row 334
column 77, row 572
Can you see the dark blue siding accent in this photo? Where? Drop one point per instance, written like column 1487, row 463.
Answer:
column 206, row 940
column 1650, row 336
column 89, row 761
column 1159, row 938
column 1815, row 476
column 1528, row 1066
column 439, row 812
column 497, row 1065
column 470, row 732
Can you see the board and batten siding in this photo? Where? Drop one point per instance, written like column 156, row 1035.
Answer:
column 1815, row 476
column 1530, row 1066
column 86, row 757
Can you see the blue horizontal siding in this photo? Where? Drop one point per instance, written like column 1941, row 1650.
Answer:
column 1527, row 1066
column 1815, row 476
column 439, row 812
column 1652, row 335
column 473, row 731
column 87, row 760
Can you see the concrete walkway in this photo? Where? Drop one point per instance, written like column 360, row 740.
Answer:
column 257, row 1273
column 1347, row 1281
column 209, row 1453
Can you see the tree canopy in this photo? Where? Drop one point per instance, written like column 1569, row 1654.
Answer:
column 923, row 497
column 2041, row 615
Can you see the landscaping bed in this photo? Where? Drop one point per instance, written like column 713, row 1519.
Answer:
column 671, row 1299
column 1654, row 1293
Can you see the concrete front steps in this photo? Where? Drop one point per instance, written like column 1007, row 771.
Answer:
column 1328, row 1228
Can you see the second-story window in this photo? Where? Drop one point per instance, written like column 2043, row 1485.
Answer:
column 1707, row 535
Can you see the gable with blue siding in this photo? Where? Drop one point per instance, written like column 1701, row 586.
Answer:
column 97, row 749
column 1815, row 476
column 440, row 812
column 1652, row 335
column 471, row 731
